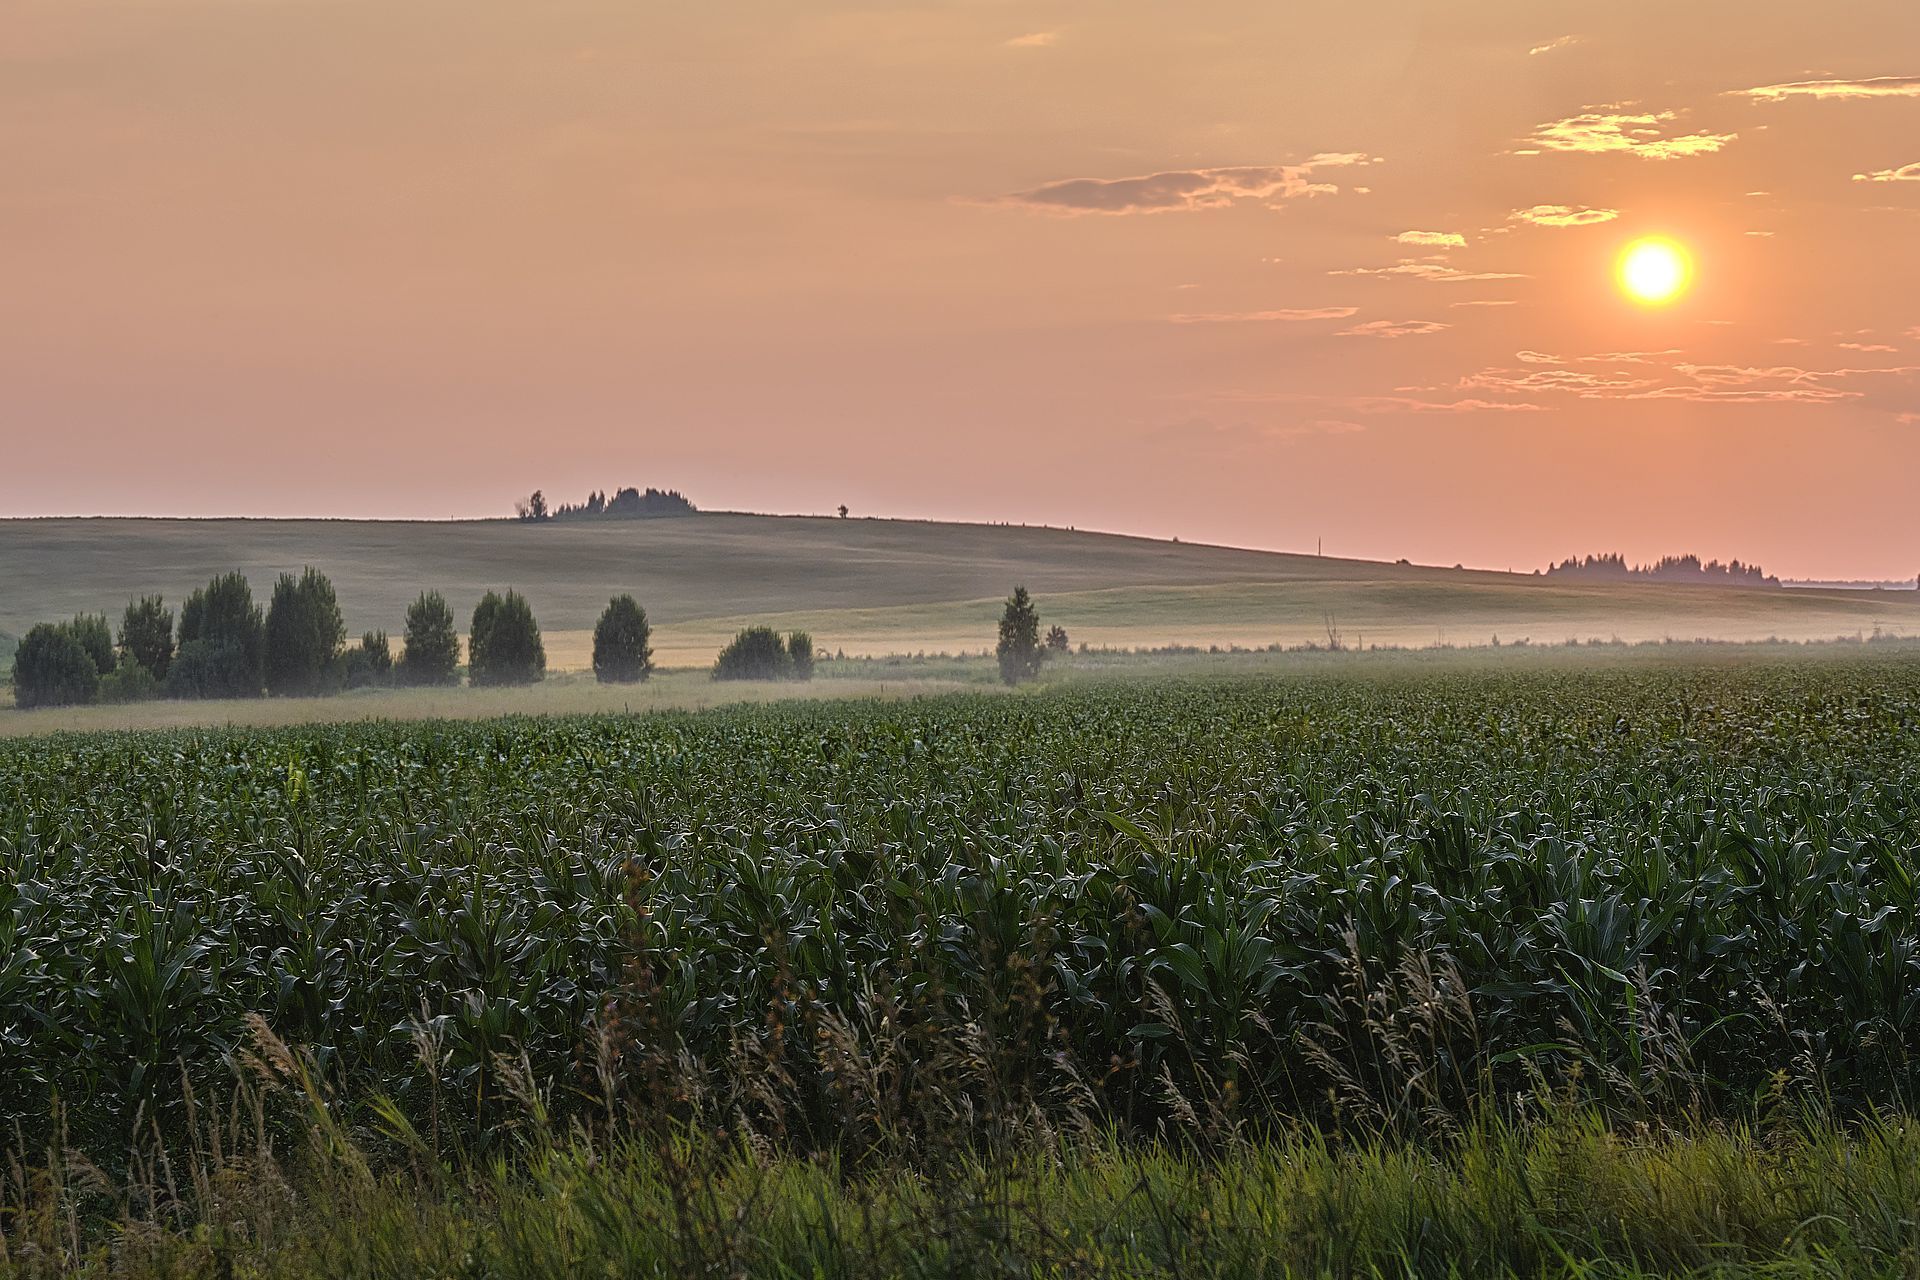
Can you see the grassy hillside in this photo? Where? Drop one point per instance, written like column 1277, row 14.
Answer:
column 877, row 586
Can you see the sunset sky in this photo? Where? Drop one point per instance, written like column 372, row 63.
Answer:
column 1250, row 272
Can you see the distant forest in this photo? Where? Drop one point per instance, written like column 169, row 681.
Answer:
column 625, row 504
column 1684, row 569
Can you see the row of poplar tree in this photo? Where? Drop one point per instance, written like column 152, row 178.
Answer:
column 227, row 646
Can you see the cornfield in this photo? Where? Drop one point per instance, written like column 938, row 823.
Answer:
column 1674, row 887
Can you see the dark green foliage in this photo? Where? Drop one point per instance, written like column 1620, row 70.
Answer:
column 128, row 682
column 1057, row 641
column 757, row 653
column 146, row 636
column 625, row 504
column 1019, row 648
column 622, row 652
column 304, row 637
column 222, row 643
column 369, row 664
column 96, row 637
column 430, row 653
column 52, row 668
column 504, row 645
column 800, row 655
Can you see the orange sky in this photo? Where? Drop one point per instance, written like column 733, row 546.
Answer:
column 1123, row 264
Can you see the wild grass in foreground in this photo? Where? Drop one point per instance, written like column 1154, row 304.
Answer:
column 1561, row 1194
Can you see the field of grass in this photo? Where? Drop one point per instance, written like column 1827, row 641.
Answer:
column 1567, row 962
column 885, row 586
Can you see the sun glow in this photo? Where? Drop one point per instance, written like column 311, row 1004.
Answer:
column 1654, row 270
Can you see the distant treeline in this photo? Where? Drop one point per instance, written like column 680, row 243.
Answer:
column 1686, row 569
column 625, row 504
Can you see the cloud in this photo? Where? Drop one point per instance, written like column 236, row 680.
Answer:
column 1484, row 302
column 1562, row 215
column 1606, row 132
column 1392, row 329
column 1438, row 239
column 1408, row 404
column 1655, row 378
column 1184, row 189
column 1034, row 40
column 1560, row 43
column 1580, row 383
column 1905, row 173
column 1874, row 87
column 1865, row 346
column 1428, row 271
column 1281, row 314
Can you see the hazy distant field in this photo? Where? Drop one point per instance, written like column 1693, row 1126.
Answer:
column 885, row 586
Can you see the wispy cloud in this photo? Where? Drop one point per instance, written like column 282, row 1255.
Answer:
column 1562, row 215
column 1905, row 173
column 1621, row 133
column 1865, row 346
column 1179, row 190
column 1560, row 43
column 1034, row 40
column 1409, row 404
column 1873, row 87
column 1436, row 239
column 1428, row 271
column 1651, row 376
column 1483, row 302
column 1278, row 314
column 1392, row 329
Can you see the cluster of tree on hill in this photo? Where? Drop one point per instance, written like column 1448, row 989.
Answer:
column 625, row 504
column 226, row 646
column 1685, row 569
column 1021, row 649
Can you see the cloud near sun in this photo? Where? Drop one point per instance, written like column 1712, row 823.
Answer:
column 1610, row 131
column 1562, row 215
column 1186, row 189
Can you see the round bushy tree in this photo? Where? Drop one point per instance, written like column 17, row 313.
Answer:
column 96, row 637
column 504, row 645
column 800, row 656
column 1019, row 648
column 430, row 652
column 222, row 643
column 757, row 653
column 304, row 636
column 146, row 635
column 52, row 668
column 370, row 663
column 622, row 653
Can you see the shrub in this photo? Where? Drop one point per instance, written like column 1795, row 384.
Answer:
column 800, row 655
column 128, row 682
column 304, row 636
column 1019, row 648
column 52, row 668
column 96, row 637
column 757, row 653
column 369, row 664
column 622, row 653
column 222, row 643
column 1057, row 641
column 146, row 636
column 430, row 652
column 504, row 645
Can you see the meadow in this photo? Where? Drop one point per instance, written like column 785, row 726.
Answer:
column 877, row 587
column 1635, row 941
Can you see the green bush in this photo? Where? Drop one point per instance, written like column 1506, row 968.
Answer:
column 304, row 637
column 430, row 651
column 146, row 636
column 621, row 652
column 128, row 682
column 757, row 653
column 369, row 664
column 504, row 645
column 222, row 643
column 52, row 668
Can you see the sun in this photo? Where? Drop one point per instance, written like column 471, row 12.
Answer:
column 1654, row 270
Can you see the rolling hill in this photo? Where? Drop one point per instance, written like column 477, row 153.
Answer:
column 869, row 586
